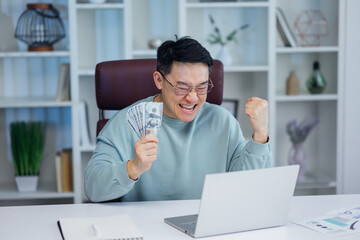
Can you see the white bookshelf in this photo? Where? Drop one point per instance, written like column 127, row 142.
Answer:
column 322, row 145
column 254, row 74
column 247, row 75
column 28, row 86
column 122, row 29
column 100, row 32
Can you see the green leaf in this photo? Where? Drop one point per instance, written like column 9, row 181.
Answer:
column 27, row 145
column 215, row 39
column 231, row 36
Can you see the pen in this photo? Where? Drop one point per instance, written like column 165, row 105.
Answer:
column 95, row 230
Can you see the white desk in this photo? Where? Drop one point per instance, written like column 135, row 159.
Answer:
column 39, row 222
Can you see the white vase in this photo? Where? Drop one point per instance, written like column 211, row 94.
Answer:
column 225, row 55
column 297, row 155
column 27, row 183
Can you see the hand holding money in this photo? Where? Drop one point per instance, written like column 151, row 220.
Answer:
column 145, row 119
column 145, row 153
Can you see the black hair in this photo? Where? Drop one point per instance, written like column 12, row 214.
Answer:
column 184, row 49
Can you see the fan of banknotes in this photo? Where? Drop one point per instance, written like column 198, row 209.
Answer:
column 145, row 118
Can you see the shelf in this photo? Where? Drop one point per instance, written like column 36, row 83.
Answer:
column 247, row 4
column 86, row 72
column 315, row 183
column 307, row 49
column 229, row 69
column 307, row 97
column 23, row 54
column 31, row 102
column 90, row 148
column 145, row 52
column 10, row 192
column 100, row 6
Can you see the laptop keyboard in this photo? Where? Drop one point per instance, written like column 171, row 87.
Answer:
column 189, row 227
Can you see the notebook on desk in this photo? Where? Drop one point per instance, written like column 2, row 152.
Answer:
column 117, row 227
column 241, row 201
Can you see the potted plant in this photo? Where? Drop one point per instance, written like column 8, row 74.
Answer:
column 27, row 145
column 216, row 38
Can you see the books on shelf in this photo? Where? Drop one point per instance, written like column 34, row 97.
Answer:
column 58, row 172
column 284, row 29
column 64, row 171
column 63, row 88
column 84, row 125
column 108, row 227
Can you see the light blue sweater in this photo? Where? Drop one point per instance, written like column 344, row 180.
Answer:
column 211, row 143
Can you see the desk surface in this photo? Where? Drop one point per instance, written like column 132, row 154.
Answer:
column 39, row 222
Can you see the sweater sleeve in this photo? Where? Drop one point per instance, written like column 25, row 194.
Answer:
column 106, row 176
column 247, row 155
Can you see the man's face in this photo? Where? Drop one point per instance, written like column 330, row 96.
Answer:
column 182, row 107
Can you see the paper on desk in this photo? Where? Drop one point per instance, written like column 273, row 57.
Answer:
column 335, row 223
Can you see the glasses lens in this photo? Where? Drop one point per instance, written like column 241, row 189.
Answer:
column 203, row 89
column 181, row 90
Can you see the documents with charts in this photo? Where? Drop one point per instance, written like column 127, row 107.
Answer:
column 240, row 201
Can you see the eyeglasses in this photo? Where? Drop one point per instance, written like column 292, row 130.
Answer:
column 184, row 89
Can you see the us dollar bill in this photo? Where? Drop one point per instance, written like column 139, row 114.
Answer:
column 145, row 118
column 153, row 118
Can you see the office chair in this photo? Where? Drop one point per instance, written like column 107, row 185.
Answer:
column 120, row 83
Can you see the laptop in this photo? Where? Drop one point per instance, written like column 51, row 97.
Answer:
column 241, row 201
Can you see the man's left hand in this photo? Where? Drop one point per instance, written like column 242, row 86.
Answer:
column 257, row 110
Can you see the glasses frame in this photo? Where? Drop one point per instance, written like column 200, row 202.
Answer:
column 210, row 86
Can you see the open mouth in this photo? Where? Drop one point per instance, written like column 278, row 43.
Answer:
column 187, row 108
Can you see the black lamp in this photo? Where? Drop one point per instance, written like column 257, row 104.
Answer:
column 40, row 26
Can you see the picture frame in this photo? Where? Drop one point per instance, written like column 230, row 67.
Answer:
column 231, row 105
column 284, row 29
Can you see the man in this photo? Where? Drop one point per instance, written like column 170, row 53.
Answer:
column 196, row 138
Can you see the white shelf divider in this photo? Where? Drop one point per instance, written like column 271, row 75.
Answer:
column 323, row 49
column 89, row 148
column 316, row 185
column 86, row 72
column 9, row 192
column 306, row 97
column 95, row 6
column 23, row 54
column 229, row 69
column 32, row 102
column 248, row 4
column 144, row 52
